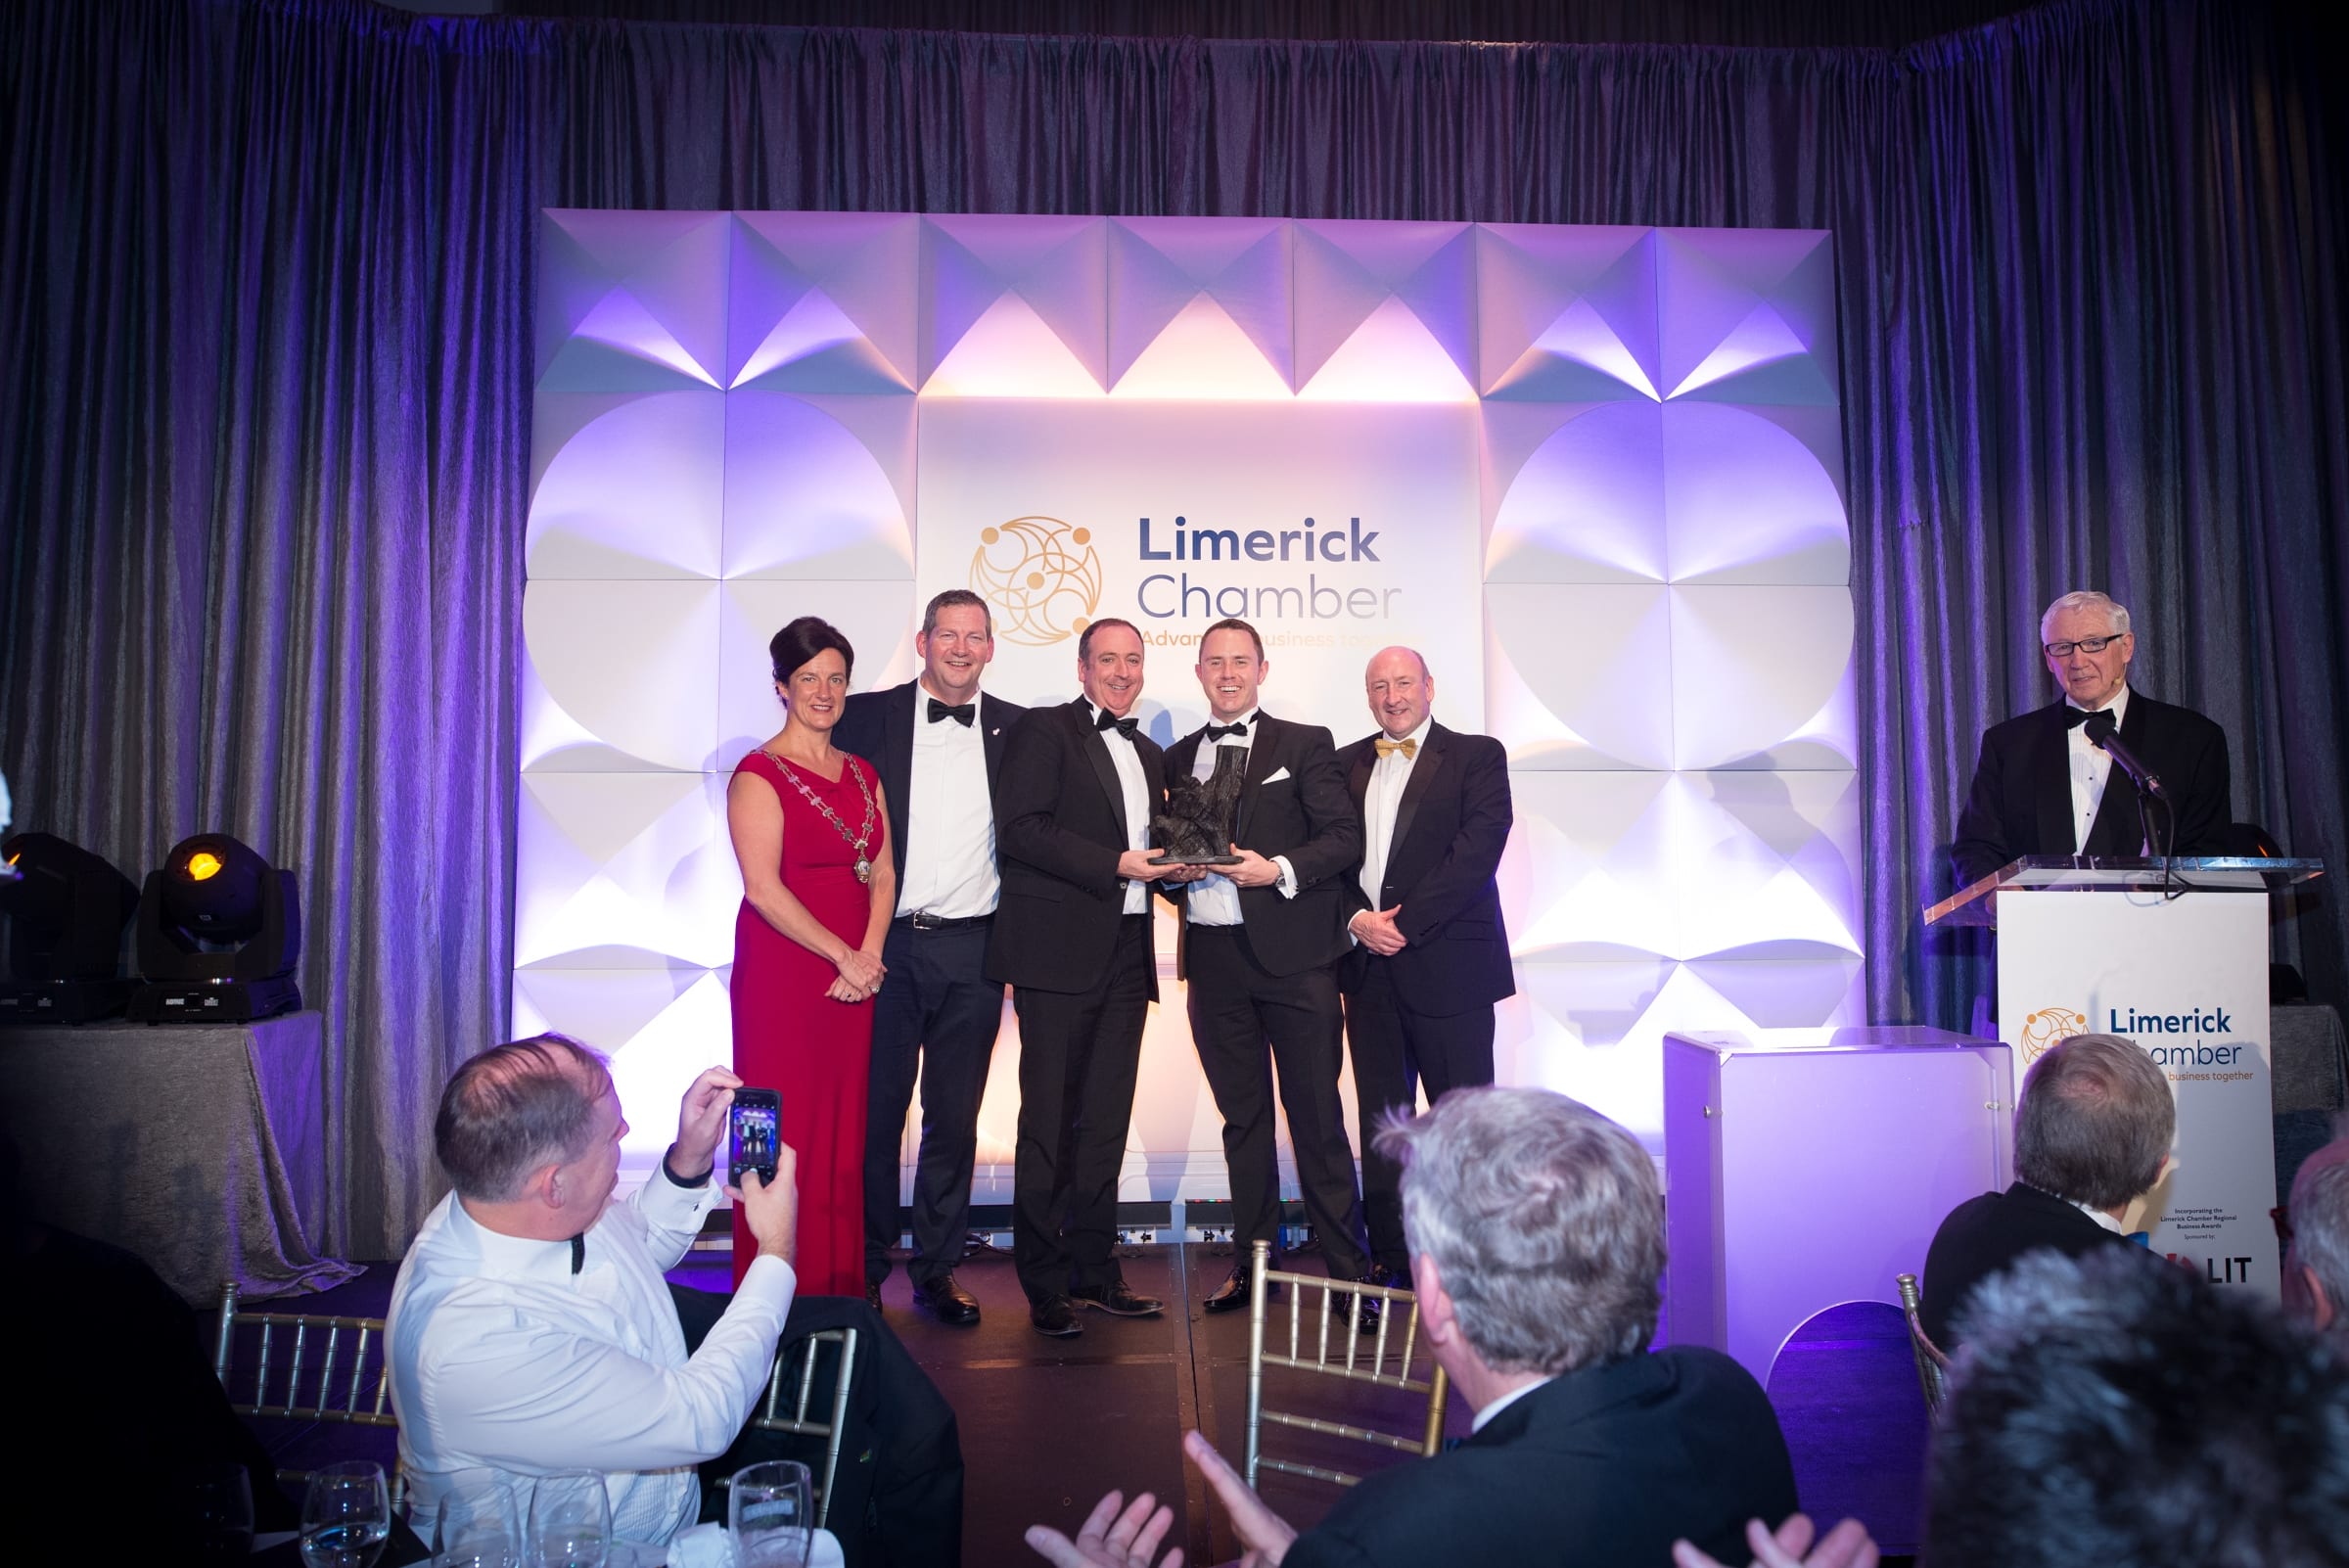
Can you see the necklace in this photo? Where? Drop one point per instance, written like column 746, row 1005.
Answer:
column 856, row 840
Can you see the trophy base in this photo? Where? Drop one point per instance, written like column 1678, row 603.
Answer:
column 1162, row 858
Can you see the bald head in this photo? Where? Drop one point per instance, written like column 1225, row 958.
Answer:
column 1399, row 689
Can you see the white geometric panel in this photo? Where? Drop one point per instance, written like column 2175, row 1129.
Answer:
column 624, row 484
column 660, row 1028
column 619, row 677
column 1588, row 505
column 1762, row 678
column 624, row 870
column 805, row 496
column 631, row 300
column 1766, row 867
column 877, row 618
column 1746, row 501
column 1580, row 676
column 1579, row 877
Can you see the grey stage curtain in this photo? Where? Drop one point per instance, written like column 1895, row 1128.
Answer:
column 265, row 271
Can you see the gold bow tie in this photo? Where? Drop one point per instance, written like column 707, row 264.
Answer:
column 1388, row 748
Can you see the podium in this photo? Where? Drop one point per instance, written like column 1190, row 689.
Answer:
column 2172, row 954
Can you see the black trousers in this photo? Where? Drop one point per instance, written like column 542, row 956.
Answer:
column 1237, row 1009
column 1396, row 1049
column 897, row 1498
column 1078, row 1052
column 937, row 1015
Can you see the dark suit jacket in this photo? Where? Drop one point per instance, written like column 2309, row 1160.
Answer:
column 878, row 726
column 1304, row 815
column 1450, row 829
column 1060, row 826
column 2021, row 800
column 1605, row 1466
column 1982, row 1235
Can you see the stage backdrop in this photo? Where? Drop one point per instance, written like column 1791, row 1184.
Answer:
column 1595, row 473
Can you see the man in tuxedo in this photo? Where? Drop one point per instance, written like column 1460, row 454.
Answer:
column 937, row 743
column 2045, row 786
column 1261, row 944
column 2090, row 1134
column 1431, row 955
column 1071, row 937
column 1537, row 1234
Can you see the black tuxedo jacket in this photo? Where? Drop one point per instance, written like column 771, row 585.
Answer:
column 1601, row 1467
column 1982, row 1235
column 1060, row 826
column 1303, row 814
column 2021, row 800
column 1450, row 829
column 878, row 726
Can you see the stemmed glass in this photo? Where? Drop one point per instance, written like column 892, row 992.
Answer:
column 571, row 1521
column 768, row 1512
column 345, row 1515
column 474, row 1527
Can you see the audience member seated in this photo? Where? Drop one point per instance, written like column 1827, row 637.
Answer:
column 2316, row 1263
column 2090, row 1135
column 531, row 1329
column 1536, row 1232
column 2111, row 1413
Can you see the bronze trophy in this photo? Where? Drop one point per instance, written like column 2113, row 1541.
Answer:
column 1195, row 829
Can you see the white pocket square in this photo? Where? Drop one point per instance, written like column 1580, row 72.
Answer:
column 1276, row 775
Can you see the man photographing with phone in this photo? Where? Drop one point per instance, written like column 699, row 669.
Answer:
column 530, row 1329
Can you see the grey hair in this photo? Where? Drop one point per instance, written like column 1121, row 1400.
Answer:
column 515, row 1108
column 951, row 599
column 2320, row 1216
column 2096, row 1121
column 2114, row 1409
column 2116, row 614
column 1545, row 1218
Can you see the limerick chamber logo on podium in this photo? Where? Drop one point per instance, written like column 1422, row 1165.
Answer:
column 2045, row 1026
column 1042, row 577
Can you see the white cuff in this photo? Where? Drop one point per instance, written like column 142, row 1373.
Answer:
column 1288, row 876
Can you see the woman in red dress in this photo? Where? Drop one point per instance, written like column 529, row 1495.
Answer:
column 812, row 831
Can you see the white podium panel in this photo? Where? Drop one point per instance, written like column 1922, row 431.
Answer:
column 1802, row 1176
column 2186, row 979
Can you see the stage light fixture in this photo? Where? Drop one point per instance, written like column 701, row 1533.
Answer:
column 66, row 909
column 219, row 934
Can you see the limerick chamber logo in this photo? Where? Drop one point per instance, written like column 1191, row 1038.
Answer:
column 2045, row 1026
column 1042, row 578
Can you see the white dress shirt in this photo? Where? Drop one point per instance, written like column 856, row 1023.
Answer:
column 506, row 1365
column 1382, row 798
column 2090, row 768
column 1215, row 898
column 1484, row 1417
column 1136, row 791
column 949, row 819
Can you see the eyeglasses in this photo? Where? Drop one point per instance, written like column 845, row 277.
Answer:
column 2092, row 645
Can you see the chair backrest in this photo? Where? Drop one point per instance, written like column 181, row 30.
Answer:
column 1337, row 1348
column 1932, row 1366
column 791, row 1395
column 307, row 1367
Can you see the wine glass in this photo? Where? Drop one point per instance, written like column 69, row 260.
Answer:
column 345, row 1515
column 571, row 1521
column 768, row 1514
column 475, row 1525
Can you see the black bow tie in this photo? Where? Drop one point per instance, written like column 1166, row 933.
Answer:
column 1216, row 732
column 2074, row 718
column 578, row 1252
column 1124, row 726
column 963, row 714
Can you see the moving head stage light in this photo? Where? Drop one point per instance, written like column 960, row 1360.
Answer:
column 66, row 909
column 219, row 934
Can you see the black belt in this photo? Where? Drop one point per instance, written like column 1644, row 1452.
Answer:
column 924, row 920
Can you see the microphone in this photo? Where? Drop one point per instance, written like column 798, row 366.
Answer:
column 2103, row 732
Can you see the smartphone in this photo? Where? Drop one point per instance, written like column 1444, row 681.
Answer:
column 751, row 1134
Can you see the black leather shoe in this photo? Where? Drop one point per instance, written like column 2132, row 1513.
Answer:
column 872, row 1294
column 1392, row 1278
column 1369, row 1308
column 947, row 1301
column 1055, row 1318
column 1232, row 1295
column 1116, row 1299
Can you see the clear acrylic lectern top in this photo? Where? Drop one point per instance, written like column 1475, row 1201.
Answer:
column 1977, row 905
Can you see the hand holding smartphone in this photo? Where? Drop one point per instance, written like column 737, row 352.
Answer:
column 753, row 1133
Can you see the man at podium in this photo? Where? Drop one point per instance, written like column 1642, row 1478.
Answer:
column 2046, row 783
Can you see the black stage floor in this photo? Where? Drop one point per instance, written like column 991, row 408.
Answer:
column 1049, row 1425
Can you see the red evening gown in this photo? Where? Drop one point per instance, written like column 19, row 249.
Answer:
column 791, row 1038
